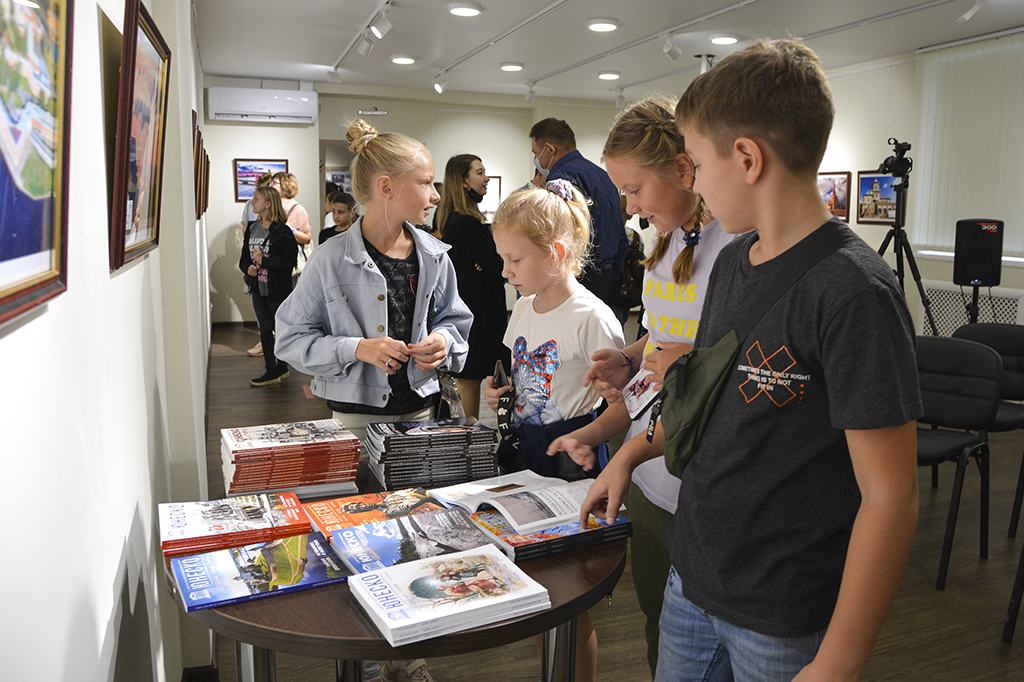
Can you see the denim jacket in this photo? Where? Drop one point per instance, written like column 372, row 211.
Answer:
column 341, row 298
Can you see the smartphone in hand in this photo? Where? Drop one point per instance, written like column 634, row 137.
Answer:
column 500, row 378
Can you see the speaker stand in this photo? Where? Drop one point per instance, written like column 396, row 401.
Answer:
column 972, row 309
column 901, row 247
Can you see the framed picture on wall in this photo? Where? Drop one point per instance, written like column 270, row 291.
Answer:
column 36, row 101
column 835, row 192
column 342, row 177
column 141, row 127
column 876, row 198
column 247, row 170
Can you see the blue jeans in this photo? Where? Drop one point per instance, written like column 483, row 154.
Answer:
column 695, row 646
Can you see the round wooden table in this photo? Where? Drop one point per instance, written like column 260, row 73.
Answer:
column 327, row 622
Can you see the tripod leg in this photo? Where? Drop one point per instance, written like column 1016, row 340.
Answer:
column 902, row 243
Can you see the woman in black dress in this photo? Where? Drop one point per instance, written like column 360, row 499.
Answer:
column 478, row 269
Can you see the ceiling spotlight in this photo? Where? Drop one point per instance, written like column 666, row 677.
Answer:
column 724, row 39
column 511, row 66
column 966, row 16
column 620, row 100
column 364, row 46
column 381, row 27
column 602, row 25
column 402, row 59
column 441, row 83
column 530, row 95
column 670, row 49
column 464, row 9
column 609, row 75
column 373, row 112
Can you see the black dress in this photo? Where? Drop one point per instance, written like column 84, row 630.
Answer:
column 478, row 269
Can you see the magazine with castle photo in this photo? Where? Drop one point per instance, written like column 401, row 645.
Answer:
column 440, row 595
column 527, row 500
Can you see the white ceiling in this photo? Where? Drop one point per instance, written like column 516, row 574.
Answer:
column 302, row 40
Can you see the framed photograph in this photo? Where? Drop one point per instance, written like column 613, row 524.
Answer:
column 141, row 125
column 835, row 192
column 205, row 204
column 247, row 170
column 342, row 177
column 876, row 198
column 36, row 102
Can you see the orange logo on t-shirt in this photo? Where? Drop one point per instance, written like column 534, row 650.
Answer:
column 767, row 375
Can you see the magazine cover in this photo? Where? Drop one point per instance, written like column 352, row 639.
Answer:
column 465, row 590
column 259, row 570
column 461, row 429
column 639, row 393
column 289, row 435
column 550, row 540
column 276, row 515
column 374, row 546
column 355, row 510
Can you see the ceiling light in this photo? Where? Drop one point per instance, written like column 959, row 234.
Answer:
column 530, row 95
column 333, row 76
column 364, row 46
column 609, row 75
column 511, row 66
column 602, row 25
column 966, row 16
column 373, row 112
column 381, row 27
column 464, row 9
column 402, row 59
column 441, row 83
column 724, row 39
column 670, row 49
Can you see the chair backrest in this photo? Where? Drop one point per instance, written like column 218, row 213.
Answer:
column 1008, row 341
column 960, row 382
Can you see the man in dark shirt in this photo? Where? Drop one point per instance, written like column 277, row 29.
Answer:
column 555, row 156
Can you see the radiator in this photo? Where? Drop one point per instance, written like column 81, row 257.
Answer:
column 949, row 303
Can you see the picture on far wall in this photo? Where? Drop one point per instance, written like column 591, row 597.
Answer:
column 342, row 177
column 141, row 128
column 247, row 170
column 835, row 192
column 35, row 106
column 876, row 198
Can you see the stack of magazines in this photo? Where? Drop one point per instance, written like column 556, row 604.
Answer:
column 312, row 459
column 194, row 527
column 431, row 453
column 437, row 596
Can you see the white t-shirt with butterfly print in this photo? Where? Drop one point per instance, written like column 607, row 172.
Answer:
column 550, row 353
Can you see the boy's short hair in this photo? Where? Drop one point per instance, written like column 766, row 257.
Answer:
column 554, row 131
column 341, row 197
column 774, row 91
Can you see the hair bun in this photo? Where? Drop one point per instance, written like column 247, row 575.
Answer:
column 359, row 135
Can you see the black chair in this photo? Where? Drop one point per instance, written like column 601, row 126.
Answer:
column 960, row 388
column 1008, row 341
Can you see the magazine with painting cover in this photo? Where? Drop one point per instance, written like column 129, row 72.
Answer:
column 255, row 571
column 288, row 436
column 373, row 546
column 527, row 500
column 561, row 538
column 439, row 595
column 355, row 510
column 230, row 521
column 639, row 393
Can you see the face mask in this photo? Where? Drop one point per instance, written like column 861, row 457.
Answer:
column 536, row 164
column 474, row 196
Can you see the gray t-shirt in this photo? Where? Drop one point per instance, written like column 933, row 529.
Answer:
column 767, row 504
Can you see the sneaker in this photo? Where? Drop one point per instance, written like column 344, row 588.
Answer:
column 414, row 671
column 256, row 351
column 271, row 376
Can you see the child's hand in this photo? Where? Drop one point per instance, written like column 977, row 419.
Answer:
column 430, row 352
column 661, row 358
column 581, row 453
column 384, row 352
column 492, row 392
column 252, row 271
column 608, row 374
column 257, row 255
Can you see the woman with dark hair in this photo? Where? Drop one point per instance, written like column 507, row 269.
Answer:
column 478, row 269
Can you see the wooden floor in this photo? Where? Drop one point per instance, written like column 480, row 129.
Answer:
column 930, row 635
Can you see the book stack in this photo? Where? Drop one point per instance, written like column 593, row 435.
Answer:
column 195, row 527
column 431, row 597
column 311, row 459
column 561, row 538
column 227, row 576
column 431, row 453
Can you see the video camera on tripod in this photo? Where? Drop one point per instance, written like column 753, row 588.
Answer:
column 897, row 165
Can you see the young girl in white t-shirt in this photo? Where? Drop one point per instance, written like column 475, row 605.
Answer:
column 542, row 236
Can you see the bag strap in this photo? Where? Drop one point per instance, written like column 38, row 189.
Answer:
column 805, row 255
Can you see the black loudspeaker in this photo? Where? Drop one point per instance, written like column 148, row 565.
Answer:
column 978, row 254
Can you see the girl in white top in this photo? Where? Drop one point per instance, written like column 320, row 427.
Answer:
column 645, row 159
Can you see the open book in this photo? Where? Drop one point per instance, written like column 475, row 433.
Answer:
column 528, row 501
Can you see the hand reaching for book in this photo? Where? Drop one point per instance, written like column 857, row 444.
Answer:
column 581, row 453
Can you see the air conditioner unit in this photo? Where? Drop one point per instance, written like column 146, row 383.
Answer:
column 262, row 106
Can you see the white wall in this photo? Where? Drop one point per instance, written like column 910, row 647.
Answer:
column 102, row 419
